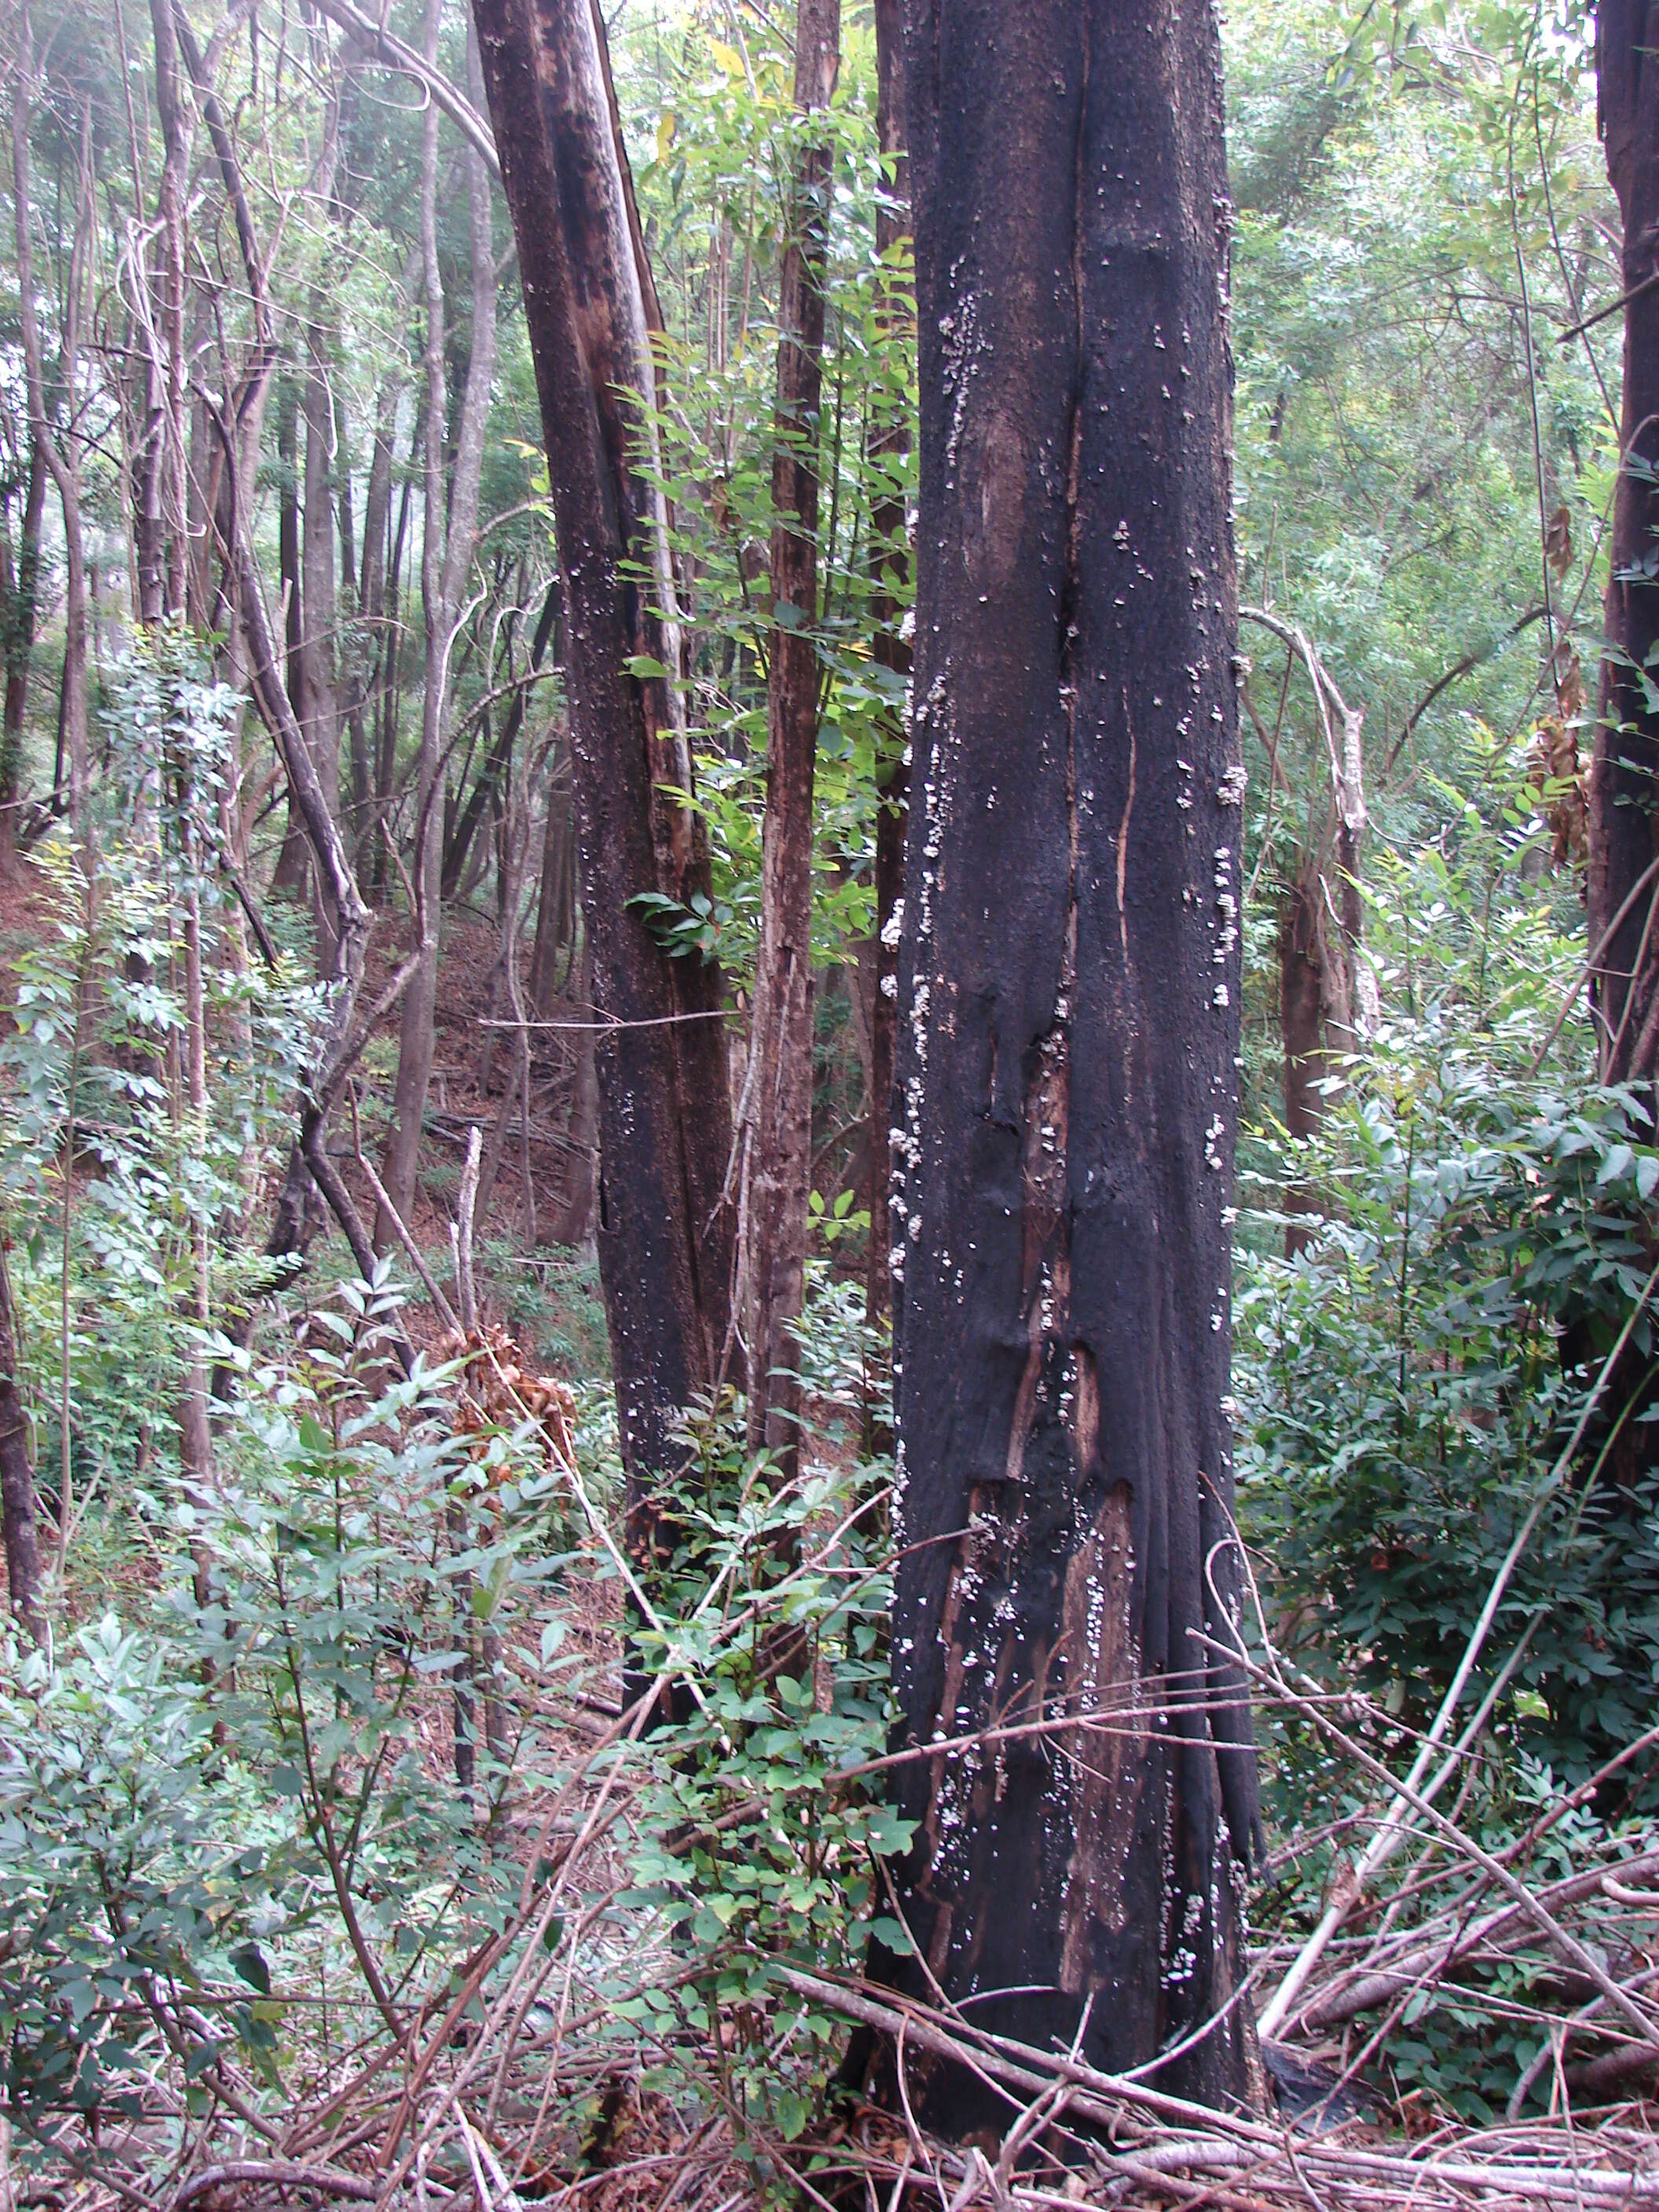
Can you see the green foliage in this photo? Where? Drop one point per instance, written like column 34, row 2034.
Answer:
column 120, row 1889
column 1409, row 1380
column 763, row 1832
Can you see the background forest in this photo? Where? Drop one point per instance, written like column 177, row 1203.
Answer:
column 335, row 1852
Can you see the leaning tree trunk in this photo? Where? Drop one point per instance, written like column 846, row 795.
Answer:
column 776, row 1137
column 1624, row 825
column 1069, row 991
column 665, row 1122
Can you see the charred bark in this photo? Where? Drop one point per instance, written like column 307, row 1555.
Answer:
column 1624, row 822
column 664, row 1241
column 777, row 1133
column 19, row 599
column 1068, row 1020
column 19, row 1511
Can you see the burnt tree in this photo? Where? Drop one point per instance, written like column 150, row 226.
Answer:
column 1068, row 1019
column 776, row 1136
column 665, row 1117
column 1624, row 839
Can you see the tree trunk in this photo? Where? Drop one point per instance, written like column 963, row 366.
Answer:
column 1623, row 824
column 1301, row 1013
column 1068, row 1021
column 19, row 1516
column 21, row 597
column 664, row 1238
column 889, row 443
column 776, row 1138
column 443, row 582
column 320, row 726
column 72, row 708
column 555, row 903
column 292, row 862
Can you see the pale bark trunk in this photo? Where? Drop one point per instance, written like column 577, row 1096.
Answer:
column 72, row 709
column 445, row 561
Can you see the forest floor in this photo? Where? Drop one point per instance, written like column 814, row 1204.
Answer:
column 551, row 2091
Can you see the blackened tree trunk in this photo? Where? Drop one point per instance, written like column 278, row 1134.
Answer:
column 1624, row 822
column 889, row 446
column 18, row 604
column 19, row 1518
column 776, row 1136
column 1068, row 1019
column 664, row 1238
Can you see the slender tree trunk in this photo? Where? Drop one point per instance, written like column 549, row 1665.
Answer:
column 21, row 598
column 498, row 765
column 889, row 445
column 664, row 1248
column 443, row 583
column 163, row 576
column 1068, row 1021
column 575, row 1220
column 371, row 607
column 19, row 1513
column 776, row 1138
column 1623, row 819
column 555, row 903
column 321, row 725
column 72, row 726
column 291, row 863
column 1301, row 967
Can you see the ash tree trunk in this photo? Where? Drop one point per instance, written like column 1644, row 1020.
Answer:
column 777, row 1133
column 1624, row 822
column 1068, row 1019
column 665, row 1117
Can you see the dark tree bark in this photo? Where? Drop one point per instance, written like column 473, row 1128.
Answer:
column 889, row 442
column 1068, row 1021
column 776, row 1136
column 664, row 1239
column 1623, row 821
column 19, row 1517
column 19, row 600
column 1302, row 965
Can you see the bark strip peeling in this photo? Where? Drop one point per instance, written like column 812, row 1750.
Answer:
column 1066, row 1092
